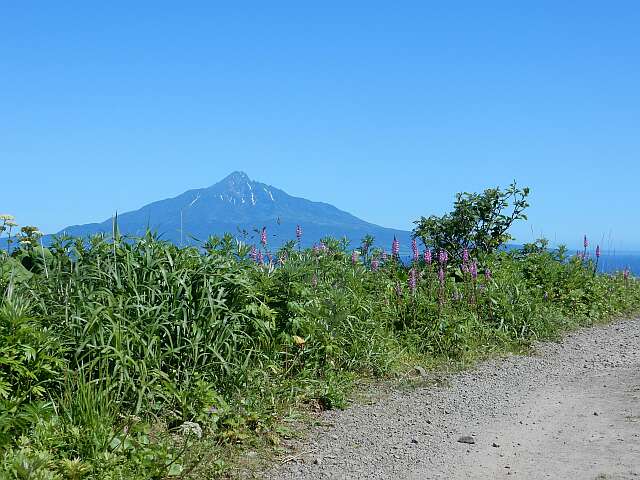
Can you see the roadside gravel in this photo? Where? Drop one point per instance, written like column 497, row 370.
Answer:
column 571, row 410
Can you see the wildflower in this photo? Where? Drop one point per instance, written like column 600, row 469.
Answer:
column 465, row 255
column 395, row 247
column 585, row 242
column 414, row 248
column 191, row 428
column 441, row 276
column 253, row 253
column 465, row 267
column 260, row 258
column 263, row 236
column 443, row 257
column 427, row 256
column 625, row 273
column 375, row 264
column 487, row 274
column 384, row 256
column 473, row 268
column 597, row 251
column 412, row 280
column 298, row 232
column 354, row 257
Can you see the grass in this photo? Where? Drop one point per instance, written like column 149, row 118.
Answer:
column 134, row 358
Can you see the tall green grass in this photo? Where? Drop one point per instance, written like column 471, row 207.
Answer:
column 134, row 358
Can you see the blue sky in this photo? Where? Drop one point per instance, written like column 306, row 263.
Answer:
column 384, row 109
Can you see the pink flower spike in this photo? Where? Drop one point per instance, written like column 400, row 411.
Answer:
column 414, row 249
column 375, row 265
column 598, row 251
column 427, row 257
column 487, row 274
column 263, row 236
column 465, row 255
column 395, row 247
column 298, row 232
column 586, row 242
column 412, row 280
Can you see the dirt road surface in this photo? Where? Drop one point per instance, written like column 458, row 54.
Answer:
column 570, row 411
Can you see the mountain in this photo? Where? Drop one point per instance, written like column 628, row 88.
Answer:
column 241, row 206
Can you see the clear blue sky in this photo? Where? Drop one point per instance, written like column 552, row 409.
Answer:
column 384, row 109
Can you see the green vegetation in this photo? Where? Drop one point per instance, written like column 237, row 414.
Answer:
column 133, row 358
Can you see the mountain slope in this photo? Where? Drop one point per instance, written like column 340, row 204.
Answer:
column 241, row 206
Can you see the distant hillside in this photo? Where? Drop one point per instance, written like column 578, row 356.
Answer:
column 239, row 205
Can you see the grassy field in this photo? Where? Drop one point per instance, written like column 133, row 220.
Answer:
column 133, row 358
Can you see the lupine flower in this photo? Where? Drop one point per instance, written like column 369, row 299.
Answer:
column 323, row 247
column 625, row 273
column 412, row 280
column 263, row 236
column 354, row 257
column 473, row 268
column 375, row 264
column 465, row 255
column 586, row 242
column 443, row 257
column 427, row 256
column 597, row 251
column 487, row 274
column 414, row 248
column 384, row 256
column 253, row 253
column 298, row 232
column 395, row 247
column 441, row 276
column 260, row 259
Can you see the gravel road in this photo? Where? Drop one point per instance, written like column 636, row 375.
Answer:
column 571, row 411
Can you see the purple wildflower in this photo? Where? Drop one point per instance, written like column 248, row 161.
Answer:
column 354, row 257
column 384, row 256
column 625, row 273
column 260, row 259
column 465, row 255
column 597, row 251
column 443, row 257
column 412, row 280
column 414, row 249
column 395, row 247
column 375, row 264
column 427, row 256
column 298, row 232
column 473, row 268
column 253, row 254
column 585, row 242
column 263, row 236
column 487, row 274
